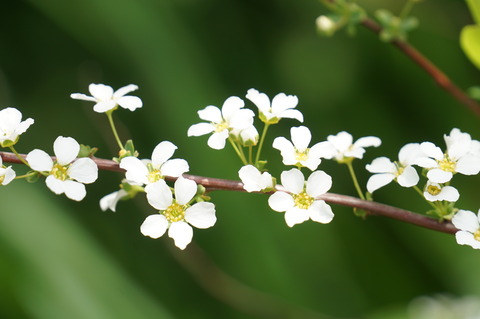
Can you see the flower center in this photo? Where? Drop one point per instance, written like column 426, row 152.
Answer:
column 175, row 212
column 154, row 176
column 59, row 172
column 221, row 126
column 433, row 190
column 303, row 200
column 301, row 156
column 2, row 178
column 476, row 235
column 447, row 165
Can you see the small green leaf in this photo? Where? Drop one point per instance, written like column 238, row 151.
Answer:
column 87, row 151
column 474, row 92
column 474, row 6
column 470, row 43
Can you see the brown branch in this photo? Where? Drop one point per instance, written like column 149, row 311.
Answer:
column 438, row 76
column 373, row 208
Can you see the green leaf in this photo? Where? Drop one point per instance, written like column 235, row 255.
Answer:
column 470, row 43
column 474, row 92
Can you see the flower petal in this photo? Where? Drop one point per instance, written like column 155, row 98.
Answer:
column 130, row 102
column 211, row 114
column 162, row 152
column 281, row 201
column 218, row 140
column 379, row 180
column 261, row 100
column 100, row 91
column 174, row 167
column 84, row 97
column 436, row 175
column 301, row 137
column 200, row 129
column 124, row 90
column 66, row 149
column 282, row 102
column 293, row 180
column 320, row 212
column 292, row 114
column 83, row 170
column 231, row 106
column 409, row 177
column 159, row 195
column 466, row 220
column 468, row 165
column 201, row 215
column 368, row 141
column 466, row 238
column 381, row 165
column 182, row 234
column 154, row 226
column 185, row 189
column 318, row 183
column 136, row 171
column 74, row 190
column 55, row 185
column 39, row 161
column 295, row 216
column 104, row 106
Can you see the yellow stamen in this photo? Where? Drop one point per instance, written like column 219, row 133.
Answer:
column 59, row 172
column 303, row 200
column 175, row 212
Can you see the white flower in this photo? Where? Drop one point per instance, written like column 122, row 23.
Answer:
column 232, row 117
column 298, row 153
column 282, row 106
column 7, row 174
column 65, row 175
column 401, row 171
column 110, row 201
column 342, row 148
column 469, row 228
column 300, row 203
column 325, row 25
column 106, row 99
column 176, row 215
column 436, row 192
column 459, row 158
column 248, row 136
column 149, row 171
column 12, row 126
column 253, row 180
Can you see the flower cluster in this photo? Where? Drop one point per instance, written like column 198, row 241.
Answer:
column 300, row 197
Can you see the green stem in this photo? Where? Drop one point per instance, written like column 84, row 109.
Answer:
column 260, row 144
column 250, row 154
column 240, row 155
column 355, row 181
column 419, row 191
column 26, row 175
column 18, row 155
column 114, row 130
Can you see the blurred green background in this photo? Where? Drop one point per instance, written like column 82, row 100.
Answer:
column 62, row 259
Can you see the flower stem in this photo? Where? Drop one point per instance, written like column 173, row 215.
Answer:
column 260, row 144
column 355, row 181
column 18, row 155
column 240, row 154
column 419, row 191
column 114, row 130
column 250, row 154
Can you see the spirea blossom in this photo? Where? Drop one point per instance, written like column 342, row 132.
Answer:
column 298, row 201
column 342, row 148
column 253, row 180
column 458, row 158
column 149, row 171
column 297, row 152
column 468, row 225
column 65, row 174
column 12, row 126
column 106, row 99
column 110, row 201
column 282, row 106
column 7, row 174
column 401, row 171
column 437, row 192
column 176, row 214
column 232, row 117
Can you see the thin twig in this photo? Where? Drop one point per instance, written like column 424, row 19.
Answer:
column 438, row 76
column 213, row 184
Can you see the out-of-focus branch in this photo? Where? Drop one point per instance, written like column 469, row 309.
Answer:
column 211, row 184
column 438, row 76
